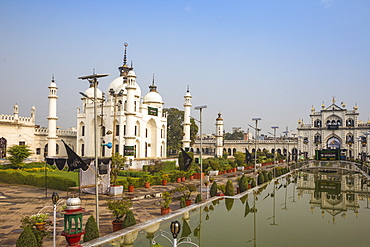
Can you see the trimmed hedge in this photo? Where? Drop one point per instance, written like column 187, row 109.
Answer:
column 34, row 179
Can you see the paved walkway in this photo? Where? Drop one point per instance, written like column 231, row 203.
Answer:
column 21, row 200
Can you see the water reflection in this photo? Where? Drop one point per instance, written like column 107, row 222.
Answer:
column 285, row 207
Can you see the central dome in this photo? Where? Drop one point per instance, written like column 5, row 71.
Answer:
column 117, row 84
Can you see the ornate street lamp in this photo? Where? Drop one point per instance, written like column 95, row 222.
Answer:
column 55, row 199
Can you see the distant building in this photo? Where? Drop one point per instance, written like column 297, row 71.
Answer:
column 334, row 127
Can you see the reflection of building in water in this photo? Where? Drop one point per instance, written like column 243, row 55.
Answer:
column 333, row 192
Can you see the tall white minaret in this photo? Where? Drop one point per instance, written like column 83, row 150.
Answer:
column 130, row 114
column 52, row 119
column 219, row 135
column 186, row 124
column 33, row 114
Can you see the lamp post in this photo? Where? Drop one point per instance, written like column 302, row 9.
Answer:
column 175, row 228
column 114, row 94
column 55, row 199
column 295, row 153
column 274, row 128
column 94, row 82
column 255, row 144
column 200, row 108
column 366, row 149
column 287, row 145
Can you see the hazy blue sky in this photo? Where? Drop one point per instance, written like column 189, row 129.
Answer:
column 245, row 59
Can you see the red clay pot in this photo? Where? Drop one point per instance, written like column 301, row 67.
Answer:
column 147, row 185
column 178, row 180
column 188, row 202
column 165, row 210
column 191, row 177
column 164, row 182
column 117, row 226
column 183, row 179
column 131, row 188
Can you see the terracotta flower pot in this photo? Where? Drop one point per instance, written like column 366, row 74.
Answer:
column 183, row 179
column 117, row 226
column 178, row 180
column 164, row 182
column 73, row 239
column 188, row 202
column 165, row 210
column 131, row 188
column 147, row 185
column 197, row 175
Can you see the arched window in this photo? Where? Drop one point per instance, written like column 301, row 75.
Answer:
column 333, row 143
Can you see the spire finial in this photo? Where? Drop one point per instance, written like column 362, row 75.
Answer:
column 94, row 71
column 333, row 100
column 132, row 64
column 124, row 56
column 188, row 89
column 52, row 78
column 153, row 80
column 153, row 88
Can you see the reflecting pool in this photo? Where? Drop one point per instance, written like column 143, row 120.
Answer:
column 306, row 208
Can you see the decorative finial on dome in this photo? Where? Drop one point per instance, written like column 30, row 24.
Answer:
column 153, row 88
column 188, row 90
column 132, row 64
column 93, row 71
column 124, row 55
column 333, row 100
column 323, row 105
column 355, row 107
column 312, row 109
column 52, row 78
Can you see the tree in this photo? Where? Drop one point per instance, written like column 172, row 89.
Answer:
column 91, row 229
column 234, row 136
column 118, row 163
column 239, row 158
column 18, row 154
column 175, row 132
column 229, row 191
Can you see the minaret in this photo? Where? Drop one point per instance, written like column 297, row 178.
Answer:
column 33, row 114
column 16, row 112
column 130, row 115
column 186, row 124
column 52, row 119
column 219, row 135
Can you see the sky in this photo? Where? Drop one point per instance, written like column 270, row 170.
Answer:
column 244, row 59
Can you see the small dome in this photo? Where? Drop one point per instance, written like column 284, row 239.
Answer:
column 152, row 97
column 117, row 84
column 131, row 73
column 73, row 203
column 219, row 117
column 90, row 93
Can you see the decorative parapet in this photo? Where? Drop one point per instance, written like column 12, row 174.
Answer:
column 20, row 120
column 60, row 132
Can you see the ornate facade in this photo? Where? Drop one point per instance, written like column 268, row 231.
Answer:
column 135, row 125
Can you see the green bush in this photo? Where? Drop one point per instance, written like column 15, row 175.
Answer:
column 198, row 198
column 229, row 191
column 91, row 229
column 243, row 183
column 20, row 177
column 213, row 190
column 27, row 238
column 182, row 202
column 129, row 220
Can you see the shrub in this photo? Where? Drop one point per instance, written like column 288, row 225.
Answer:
column 198, row 198
column 129, row 219
column 243, row 183
column 229, row 191
column 91, row 229
column 213, row 190
column 18, row 154
column 182, row 202
column 27, row 238
column 20, row 177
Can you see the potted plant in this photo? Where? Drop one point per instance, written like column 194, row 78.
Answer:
column 186, row 191
column 147, row 179
column 165, row 204
column 131, row 184
column 118, row 209
column 39, row 220
column 190, row 174
column 197, row 173
column 164, row 179
column 118, row 163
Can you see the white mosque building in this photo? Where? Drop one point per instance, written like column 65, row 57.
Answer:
column 134, row 125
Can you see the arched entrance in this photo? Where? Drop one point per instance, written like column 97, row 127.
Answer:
column 2, row 148
column 333, row 143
